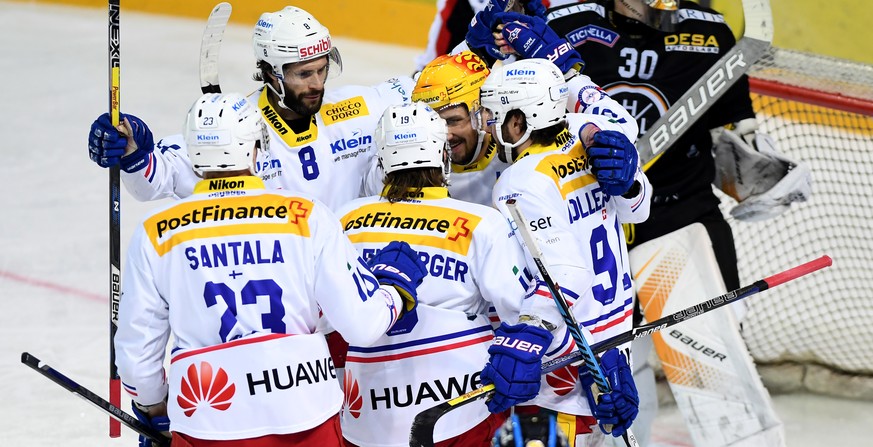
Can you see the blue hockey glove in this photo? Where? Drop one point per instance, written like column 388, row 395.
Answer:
column 619, row 407
column 158, row 423
column 531, row 37
column 399, row 265
column 514, row 365
column 107, row 146
column 613, row 160
column 480, row 37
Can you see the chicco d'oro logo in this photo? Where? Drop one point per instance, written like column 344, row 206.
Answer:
column 205, row 388
column 352, row 402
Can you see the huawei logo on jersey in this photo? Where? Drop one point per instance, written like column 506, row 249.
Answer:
column 563, row 380
column 202, row 388
column 353, row 401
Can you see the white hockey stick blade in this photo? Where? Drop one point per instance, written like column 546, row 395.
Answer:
column 210, row 47
column 757, row 36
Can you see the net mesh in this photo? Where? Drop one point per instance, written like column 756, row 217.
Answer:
column 821, row 325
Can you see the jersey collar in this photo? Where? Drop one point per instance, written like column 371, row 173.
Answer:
column 239, row 183
column 482, row 162
column 429, row 193
column 274, row 120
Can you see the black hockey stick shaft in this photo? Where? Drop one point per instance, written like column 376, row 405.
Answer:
column 696, row 310
column 116, row 413
column 421, row 434
column 601, row 384
column 114, row 209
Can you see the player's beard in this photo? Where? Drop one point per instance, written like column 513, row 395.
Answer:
column 299, row 104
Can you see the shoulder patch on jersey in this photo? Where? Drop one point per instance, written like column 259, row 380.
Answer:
column 584, row 7
column 693, row 14
column 592, row 33
column 344, row 110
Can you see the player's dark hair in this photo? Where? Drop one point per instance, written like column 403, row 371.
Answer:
column 408, row 183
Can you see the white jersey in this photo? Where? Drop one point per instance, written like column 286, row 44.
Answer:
column 437, row 352
column 230, row 272
column 327, row 161
column 578, row 228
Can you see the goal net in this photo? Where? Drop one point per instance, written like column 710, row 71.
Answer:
column 816, row 333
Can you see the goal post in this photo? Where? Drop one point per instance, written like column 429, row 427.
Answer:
column 815, row 335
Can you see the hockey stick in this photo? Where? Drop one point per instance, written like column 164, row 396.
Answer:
column 421, row 434
column 601, row 384
column 210, row 47
column 695, row 310
column 118, row 415
column 712, row 85
column 114, row 209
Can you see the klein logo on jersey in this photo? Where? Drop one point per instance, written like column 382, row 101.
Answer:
column 344, row 110
column 320, row 47
column 593, row 33
column 204, row 388
column 358, row 139
column 353, row 402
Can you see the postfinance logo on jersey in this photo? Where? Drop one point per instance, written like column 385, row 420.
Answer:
column 344, row 110
column 431, row 226
column 200, row 219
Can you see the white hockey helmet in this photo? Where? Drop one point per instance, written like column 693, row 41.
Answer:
column 410, row 136
column 293, row 35
column 222, row 132
column 536, row 87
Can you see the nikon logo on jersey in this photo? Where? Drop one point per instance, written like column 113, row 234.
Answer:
column 429, row 392
column 344, row 110
column 691, row 43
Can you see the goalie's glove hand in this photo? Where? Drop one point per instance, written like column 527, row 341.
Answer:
column 159, row 421
column 615, row 411
column 530, row 37
column 398, row 265
column 613, row 160
column 129, row 144
column 483, row 34
column 514, row 365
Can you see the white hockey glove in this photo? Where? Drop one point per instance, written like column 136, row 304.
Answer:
column 749, row 169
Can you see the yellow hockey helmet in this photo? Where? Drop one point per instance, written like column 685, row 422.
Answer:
column 451, row 80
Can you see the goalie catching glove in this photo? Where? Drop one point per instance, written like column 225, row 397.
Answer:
column 749, row 169
column 620, row 406
column 398, row 265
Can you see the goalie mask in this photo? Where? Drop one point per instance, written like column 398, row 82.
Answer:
column 290, row 36
column 536, row 87
column 657, row 14
column 453, row 80
column 536, row 430
column 411, row 136
column 223, row 132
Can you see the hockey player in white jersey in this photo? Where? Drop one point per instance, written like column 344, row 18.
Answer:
column 240, row 276
column 450, row 85
column 437, row 352
column 322, row 139
column 575, row 193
